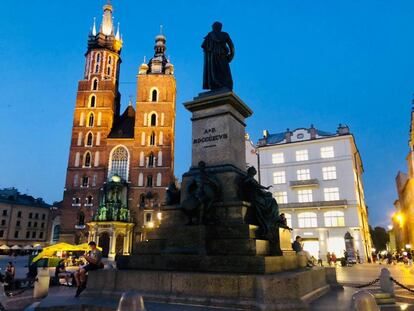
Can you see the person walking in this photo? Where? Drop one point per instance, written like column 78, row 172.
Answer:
column 328, row 258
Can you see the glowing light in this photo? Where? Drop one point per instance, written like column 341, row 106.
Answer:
column 373, row 249
column 403, row 306
column 150, row 224
column 408, row 246
column 390, row 227
column 159, row 215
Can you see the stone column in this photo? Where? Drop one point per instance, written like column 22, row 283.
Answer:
column 112, row 242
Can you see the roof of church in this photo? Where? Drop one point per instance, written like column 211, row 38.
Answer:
column 124, row 125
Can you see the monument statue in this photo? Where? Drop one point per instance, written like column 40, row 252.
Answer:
column 173, row 194
column 203, row 192
column 102, row 213
column 264, row 210
column 218, row 53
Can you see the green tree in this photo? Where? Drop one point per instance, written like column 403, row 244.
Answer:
column 379, row 237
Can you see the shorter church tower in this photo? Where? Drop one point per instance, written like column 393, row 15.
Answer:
column 154, row 132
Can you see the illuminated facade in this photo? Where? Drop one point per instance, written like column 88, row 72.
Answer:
column 119, row 163
column 316, row 179
column 403, row 218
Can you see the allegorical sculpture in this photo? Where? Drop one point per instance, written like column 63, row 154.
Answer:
column 263, row 211
column 173, row 194
column 218, row 53
column 203, row 192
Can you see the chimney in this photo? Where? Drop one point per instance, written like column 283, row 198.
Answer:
column 288, row 135
column 342, row 129
column 312, row 131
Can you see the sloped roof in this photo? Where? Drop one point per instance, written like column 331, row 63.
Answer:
column 124, row 125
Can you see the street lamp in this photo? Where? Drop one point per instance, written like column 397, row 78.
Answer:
column 390, row 227
column 407, row 246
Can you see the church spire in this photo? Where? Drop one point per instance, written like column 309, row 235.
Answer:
column 107, row 27
column 94, row 27
column 118, row 36
column 159, row 64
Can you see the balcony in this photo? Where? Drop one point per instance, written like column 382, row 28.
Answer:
column 316, row 204
column 88, row 204
column 309, row 183
column 80, row 226
column 76, row 204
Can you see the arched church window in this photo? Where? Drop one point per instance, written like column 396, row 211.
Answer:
column 119, row 163
column 91, row 119
column 152, row 139
column 149, row 181
column 92, row 102
column 96, row 68
column 109, row 60
column 98, row 57
column 87, row 159
column 89, row 139
column 154, row 96
column 108, row 71
column 153, row 119
column 95, row 84
column 151, row 160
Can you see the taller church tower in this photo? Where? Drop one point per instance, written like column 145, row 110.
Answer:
column 97, row 106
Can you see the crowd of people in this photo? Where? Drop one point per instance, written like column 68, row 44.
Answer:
column 405, row 257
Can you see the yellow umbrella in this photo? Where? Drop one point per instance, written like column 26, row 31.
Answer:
column 51, row 250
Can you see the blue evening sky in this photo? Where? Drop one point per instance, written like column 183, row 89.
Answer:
column 297, row 63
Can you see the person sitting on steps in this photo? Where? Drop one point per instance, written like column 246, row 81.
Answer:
column 94, row 259
column 298, row 248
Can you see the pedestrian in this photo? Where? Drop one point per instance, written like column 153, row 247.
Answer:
column 320, row 259
column 94, row 259
column 61, row 272
column 328, row 258
column 9, row 276
column 333, row 258
column 358, row 257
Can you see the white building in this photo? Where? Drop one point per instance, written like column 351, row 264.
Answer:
column 317, row 182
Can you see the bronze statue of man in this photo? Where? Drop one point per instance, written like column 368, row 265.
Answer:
column 218, row 53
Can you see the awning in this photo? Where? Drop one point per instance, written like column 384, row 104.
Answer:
column 16, row 247
column 4, row 246
column 51, row 250
column 27, row 247
column 38, row 247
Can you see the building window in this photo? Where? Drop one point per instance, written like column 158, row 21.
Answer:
column 98, row 57
column 151, row 160
column 41, row 235
column 288, row 220
column 154, row 96
column 152, row 139
column 16, row 234
column 37, row 216
column 334, row 219
column 89, row 139
column 327, row 152
column 43, row 216
column 119, row 163
column 302, row 155
column 30, row 215
column 3, row 222
column 29, row 224
column 35, row 224
column 149, row 181
column 109, row 60
column 18, row 223
column 81, row 219
column 56, row 233
column 148, row 217
column 278, row 158
column 329, row 172
column 85, row 181
column 92, row 102
column 303, row 174
column 42, row 225
column 305, row 195
column 96, row 68
column 89, row 199
column 331, row 194
column 95, row 84
column 279, row 177
column 142, row 200
column 90, row 119
column 34, row 235
column 307, row 220
column 281, row 197
column 76, row 200
column 87, row 159
column 27, row 234
column 19, row 214
column 153, row 121
column 4, row 212
column 108, row 71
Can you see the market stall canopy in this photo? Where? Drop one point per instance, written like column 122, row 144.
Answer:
column 60, row 247
column 4, row 246
column 16, row 247
column 37, row 247
column 27, row 247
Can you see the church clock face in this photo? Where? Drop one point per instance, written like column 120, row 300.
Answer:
column 116, row 178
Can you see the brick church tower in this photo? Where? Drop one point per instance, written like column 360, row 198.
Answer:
column 119, row 162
